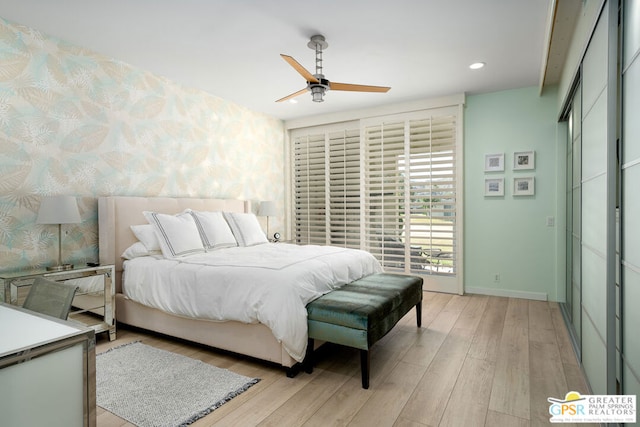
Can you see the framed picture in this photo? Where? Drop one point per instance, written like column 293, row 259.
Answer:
column 494, row 187
column 524, row 160
column 494, row 162
column 524, row 186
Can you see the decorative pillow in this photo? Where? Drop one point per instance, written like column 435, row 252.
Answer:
column 214, row 230
column 178, row 234
column 246, row 228
column 146, row 233
column 138, row 249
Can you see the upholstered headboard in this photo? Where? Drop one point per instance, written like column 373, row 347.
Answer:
column 117, row 214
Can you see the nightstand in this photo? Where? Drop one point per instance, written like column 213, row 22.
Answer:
column 94, row 304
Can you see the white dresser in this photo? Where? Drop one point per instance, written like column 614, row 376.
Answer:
column 47, row 371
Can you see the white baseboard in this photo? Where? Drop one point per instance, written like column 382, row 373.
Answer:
column 538, row 296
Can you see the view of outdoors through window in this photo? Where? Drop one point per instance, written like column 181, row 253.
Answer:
column 388, row 188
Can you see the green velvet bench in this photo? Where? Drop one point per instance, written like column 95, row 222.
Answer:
column 360, row 313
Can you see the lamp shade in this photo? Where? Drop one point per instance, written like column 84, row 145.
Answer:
column 267, row 208
column 58, row 210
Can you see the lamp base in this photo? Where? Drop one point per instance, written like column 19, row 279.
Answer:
column 61, row 267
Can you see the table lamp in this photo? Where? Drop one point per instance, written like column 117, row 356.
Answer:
column 267, row 209
column 59, row 210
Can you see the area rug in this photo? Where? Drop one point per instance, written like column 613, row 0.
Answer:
column 151, row 387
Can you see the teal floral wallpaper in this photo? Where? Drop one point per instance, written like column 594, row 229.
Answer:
column 74, row 122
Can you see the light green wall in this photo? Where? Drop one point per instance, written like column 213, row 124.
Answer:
column 508, row 235
column 77, row 123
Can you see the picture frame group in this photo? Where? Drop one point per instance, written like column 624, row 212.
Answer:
column 494, row 186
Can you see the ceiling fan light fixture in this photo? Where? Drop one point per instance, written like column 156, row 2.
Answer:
column 317, row 93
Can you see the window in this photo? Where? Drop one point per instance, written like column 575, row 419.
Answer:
column 327, row 188
column 386, row 185
column 309, row 177
column 411, row 194
column 344, row 188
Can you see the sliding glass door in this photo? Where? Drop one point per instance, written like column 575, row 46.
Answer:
column 390, row 185
column 412, row 213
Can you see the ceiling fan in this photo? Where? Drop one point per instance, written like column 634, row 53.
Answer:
column 316, row 83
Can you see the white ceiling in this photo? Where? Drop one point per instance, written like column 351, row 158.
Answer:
column 421, row 48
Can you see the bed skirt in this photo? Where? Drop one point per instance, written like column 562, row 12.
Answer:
column 256, row 340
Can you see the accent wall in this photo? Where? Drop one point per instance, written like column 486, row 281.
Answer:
column 73, row 122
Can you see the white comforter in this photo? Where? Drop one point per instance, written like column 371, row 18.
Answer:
column 269, row 283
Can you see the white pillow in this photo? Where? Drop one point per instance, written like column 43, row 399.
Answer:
column 246, row 228
column 146, row 233
column 138, row 249
column 178, row 234
column 214, row 230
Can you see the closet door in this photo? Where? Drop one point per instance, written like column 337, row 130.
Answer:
column 630, row 200
column 573, row 303
column 597, row 251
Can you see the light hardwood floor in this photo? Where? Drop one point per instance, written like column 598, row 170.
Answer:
column 476, row 361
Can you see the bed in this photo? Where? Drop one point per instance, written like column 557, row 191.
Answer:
column 259, row 337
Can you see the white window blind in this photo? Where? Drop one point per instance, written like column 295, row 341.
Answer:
column 385, row 191
column 309, row 189
column 344, row 188
column 411, row 194
column 387, row 185
column 327, row 185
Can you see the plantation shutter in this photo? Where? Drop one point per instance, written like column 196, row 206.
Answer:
column 385, row 191
column 309, row 189
column 388, row 185
column 344, row 188
column 327, row 185
column 411, row 194
column 433, row 187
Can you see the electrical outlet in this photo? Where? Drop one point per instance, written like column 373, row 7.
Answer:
column 551, row 221
column 496, row 277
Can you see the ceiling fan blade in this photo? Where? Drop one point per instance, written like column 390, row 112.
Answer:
column 299, row 68
column 357, row 88
column 293, row 95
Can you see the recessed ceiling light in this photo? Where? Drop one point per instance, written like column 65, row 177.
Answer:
column 477, row 65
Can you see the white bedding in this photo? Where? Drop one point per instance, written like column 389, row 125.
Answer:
column 268, row 283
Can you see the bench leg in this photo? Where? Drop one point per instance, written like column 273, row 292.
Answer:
column 307, row 363
column 419, row 313
column 365, row 362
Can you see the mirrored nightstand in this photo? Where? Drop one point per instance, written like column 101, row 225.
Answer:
column 94, row 302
